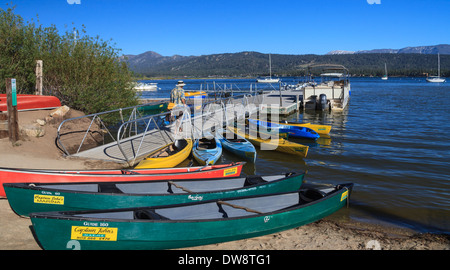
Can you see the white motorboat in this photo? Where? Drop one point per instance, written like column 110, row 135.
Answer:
column 145, row 87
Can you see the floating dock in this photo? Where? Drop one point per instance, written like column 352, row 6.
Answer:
column 283, row 102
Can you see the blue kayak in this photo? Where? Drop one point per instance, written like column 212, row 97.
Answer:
column 207, row 150
column 237, row 145
column 292, row 131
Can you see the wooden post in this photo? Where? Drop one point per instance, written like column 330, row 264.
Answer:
column 11, row 101
column 3, row 125
column 281, row 98
column 39, row 68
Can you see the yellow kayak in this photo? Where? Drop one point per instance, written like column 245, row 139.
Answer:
column 167, row 156
column 321, row 129
column 279, row 145
column 191, row 94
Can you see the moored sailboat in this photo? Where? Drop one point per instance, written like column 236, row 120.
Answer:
column 437, row 79
column 385, row 77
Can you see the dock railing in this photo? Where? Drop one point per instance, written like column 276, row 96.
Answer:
column 81, row 133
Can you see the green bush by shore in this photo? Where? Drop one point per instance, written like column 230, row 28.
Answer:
column 83, row 71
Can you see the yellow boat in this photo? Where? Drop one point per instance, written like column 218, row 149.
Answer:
column 279, row 145
column 194, row 94
column 167, row 156
column 321, row 129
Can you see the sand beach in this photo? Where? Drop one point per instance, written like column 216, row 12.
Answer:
column 326, row 234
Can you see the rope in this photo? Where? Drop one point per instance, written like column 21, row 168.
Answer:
column 239, row 207
column 180, row 187
column 348, row 196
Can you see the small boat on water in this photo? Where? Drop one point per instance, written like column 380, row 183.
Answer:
column 25, row 198
column 154, row 108
column 12, row 175
column 268, row 79
column 292, row 131
column 31, row 102
column 184, row 225
column 385, row 77
column 207, row 150
column 145, row 86
column 278, row 144
column 195, row 94
column 237, row 145
column 321, row 129
column 437, row 79
column 167, row 156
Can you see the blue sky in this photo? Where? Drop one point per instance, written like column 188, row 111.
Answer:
column 200, row 27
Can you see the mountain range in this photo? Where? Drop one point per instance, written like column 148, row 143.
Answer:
column 442, row 49
column 409, row 61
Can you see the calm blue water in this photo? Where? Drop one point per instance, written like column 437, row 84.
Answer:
column 392, row 141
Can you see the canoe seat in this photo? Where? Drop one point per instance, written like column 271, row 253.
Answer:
column 147, row 214
column 206, row 144
column 179, row 144
column 253, row 180
column 236, row 140
column 310, row 195
column 108, row 188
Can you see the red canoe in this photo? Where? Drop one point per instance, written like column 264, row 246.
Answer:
column 10, row 175
column 31, row 102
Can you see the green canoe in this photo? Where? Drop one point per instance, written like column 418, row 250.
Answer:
column 184, row 225
column 154, row 108
column 25, row 198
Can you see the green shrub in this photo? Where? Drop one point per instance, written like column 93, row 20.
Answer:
column 84, row 72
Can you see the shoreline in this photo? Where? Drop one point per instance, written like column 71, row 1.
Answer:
column 326, row 234
column 252, row 77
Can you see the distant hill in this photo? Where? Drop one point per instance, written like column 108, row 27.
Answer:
column 148, row 60
column 442, row 49
column 410, row 61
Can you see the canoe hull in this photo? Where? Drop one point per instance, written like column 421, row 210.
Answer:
column 166, row 162
column 154, row 108
column 31, row 102
column 8, row 175
column 55, row 231
column 25, row 199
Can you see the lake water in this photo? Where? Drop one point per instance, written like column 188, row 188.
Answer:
column 392, row 142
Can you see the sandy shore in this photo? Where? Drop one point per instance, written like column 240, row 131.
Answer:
column 326, row 234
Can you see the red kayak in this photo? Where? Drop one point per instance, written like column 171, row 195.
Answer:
column 31, row 102
column 10, row 175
